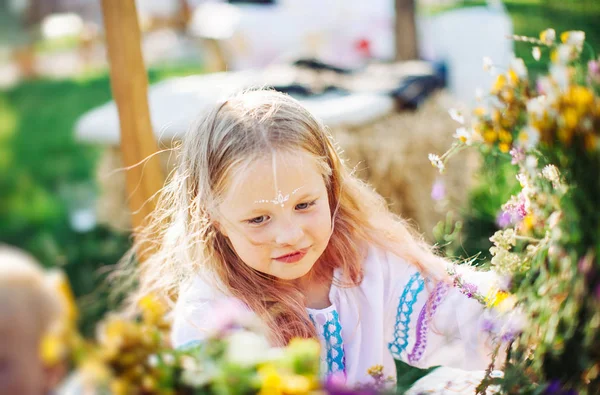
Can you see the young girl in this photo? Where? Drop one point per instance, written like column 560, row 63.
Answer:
column 263, row 209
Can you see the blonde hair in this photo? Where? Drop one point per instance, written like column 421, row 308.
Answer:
column 181, row 239
column 24, row 290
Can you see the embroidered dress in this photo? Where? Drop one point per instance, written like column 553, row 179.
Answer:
column 329, row 331
column 395, row 312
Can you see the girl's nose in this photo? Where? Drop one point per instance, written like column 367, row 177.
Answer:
column 289, row 234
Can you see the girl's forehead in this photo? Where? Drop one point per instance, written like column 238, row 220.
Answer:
column 264, row 178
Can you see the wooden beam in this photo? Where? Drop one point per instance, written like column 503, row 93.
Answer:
column 406, row 30
column 129, row 84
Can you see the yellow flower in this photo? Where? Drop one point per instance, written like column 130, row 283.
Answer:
column 490, row 136
column 152, row 309
column 573, row 37
column 494, row 297
column 548, row 36
column 61, row 284
column 505, row 136
column 580, row 97
column 94, row 371
column 528, row 223
column 480, row 111
column 499, row 84
column 119, row 387
column 513, row 77
column 270, row 380
column 504, row 147
column 571, row 118
column 53, row 349
column 296, row 384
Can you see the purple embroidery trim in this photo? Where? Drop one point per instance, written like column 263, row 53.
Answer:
column 425, row 317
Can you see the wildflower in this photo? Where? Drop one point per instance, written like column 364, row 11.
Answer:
column 504, row 219
column 152, row 309
column 469, row 289
column 464, row 135
column 573, row 37
column 295, row 384
column 438, row 190
column 517, row 154
column 153, row 361
column 564, row 54
column 456, row 115
column 548, row 36
column 528, row 137
column 271, row 381
column 504, row 238
column 537, row 106
column 246, row 348
column 52, row 349
column 168, row 359
column 561, row 75
column 550, row 172
column 594, row 71
column 437, row 162
column 499, row 84
column 488, row 64
column 536, row 52
column 516, row 207
column 518, row 66
column 504, row 261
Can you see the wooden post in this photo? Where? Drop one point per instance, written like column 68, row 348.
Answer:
column 129, row 84
column 406, row 30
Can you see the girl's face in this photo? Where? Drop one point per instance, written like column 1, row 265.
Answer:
column 276, row 215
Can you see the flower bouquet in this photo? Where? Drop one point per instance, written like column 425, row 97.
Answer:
column 549, row 249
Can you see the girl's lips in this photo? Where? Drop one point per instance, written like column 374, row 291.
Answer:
column 293, row 257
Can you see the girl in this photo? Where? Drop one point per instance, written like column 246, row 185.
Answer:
column 262, row 209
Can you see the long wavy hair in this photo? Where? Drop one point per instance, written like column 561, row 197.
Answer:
column 181, row 238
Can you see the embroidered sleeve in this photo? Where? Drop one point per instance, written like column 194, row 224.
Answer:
column 433, row 323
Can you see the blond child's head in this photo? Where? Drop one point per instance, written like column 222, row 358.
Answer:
column 27, row 308
column 262, row 201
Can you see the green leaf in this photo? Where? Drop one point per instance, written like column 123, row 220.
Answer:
column 408, row 375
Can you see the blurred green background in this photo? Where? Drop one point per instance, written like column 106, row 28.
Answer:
column 40, row 160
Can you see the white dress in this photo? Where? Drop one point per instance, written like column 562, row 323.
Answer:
column 383, row 318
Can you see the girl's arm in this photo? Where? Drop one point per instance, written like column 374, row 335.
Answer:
column 434, row 323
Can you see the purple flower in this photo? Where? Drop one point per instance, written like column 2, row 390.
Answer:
column 539, row 87
column 438, row 191
column 517, row 154
column 468, row 289
column 555, row 388
column 336, row 385
column 504, row 219
column 594, row 70
column 488, row 326
column 516, row 210
column 598, row 292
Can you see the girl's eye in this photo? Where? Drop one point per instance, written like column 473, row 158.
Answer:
column 258, row 220
column 304, row 206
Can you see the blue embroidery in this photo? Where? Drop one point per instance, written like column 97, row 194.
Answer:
column 331, row 336
column 190, row 344
column 405, row 308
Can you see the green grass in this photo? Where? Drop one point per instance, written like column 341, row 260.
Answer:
column 39, row 160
